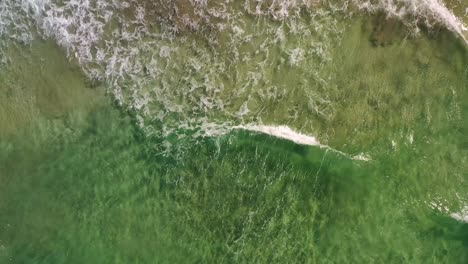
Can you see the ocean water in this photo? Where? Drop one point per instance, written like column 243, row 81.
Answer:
column 228, row 131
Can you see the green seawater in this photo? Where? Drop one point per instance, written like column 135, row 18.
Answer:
column 81, row 183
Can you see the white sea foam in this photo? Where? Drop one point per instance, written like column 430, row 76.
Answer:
column 429, row 12
column 145, row 75
column 440, row 205
column 283, row 132
column 462, row 215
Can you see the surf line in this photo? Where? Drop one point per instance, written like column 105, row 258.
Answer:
column 285, row 132
column 451, row 21
column 461, row 216
column 434, row 10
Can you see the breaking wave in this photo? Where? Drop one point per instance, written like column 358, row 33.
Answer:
column 415, row 12
column 283, row 132
column 210, row 66
column 461, row 216
column 182, row 64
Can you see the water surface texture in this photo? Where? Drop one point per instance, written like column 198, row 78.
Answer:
column 233, row 131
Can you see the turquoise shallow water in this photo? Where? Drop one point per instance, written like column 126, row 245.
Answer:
column 93, row 174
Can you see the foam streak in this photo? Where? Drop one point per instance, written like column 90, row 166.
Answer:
column 287, row 133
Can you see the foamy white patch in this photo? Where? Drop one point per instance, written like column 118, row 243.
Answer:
column 462, row 215
column 429, row 12
column 296, row 56
column 440, row 206
column 14, row 24
column 287, row 133
column 363, row 157
column 411, row 137
column 394, row 145
column 283, row 132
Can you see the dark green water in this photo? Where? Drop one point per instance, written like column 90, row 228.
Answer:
column 81, row 183
column 102, row 195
